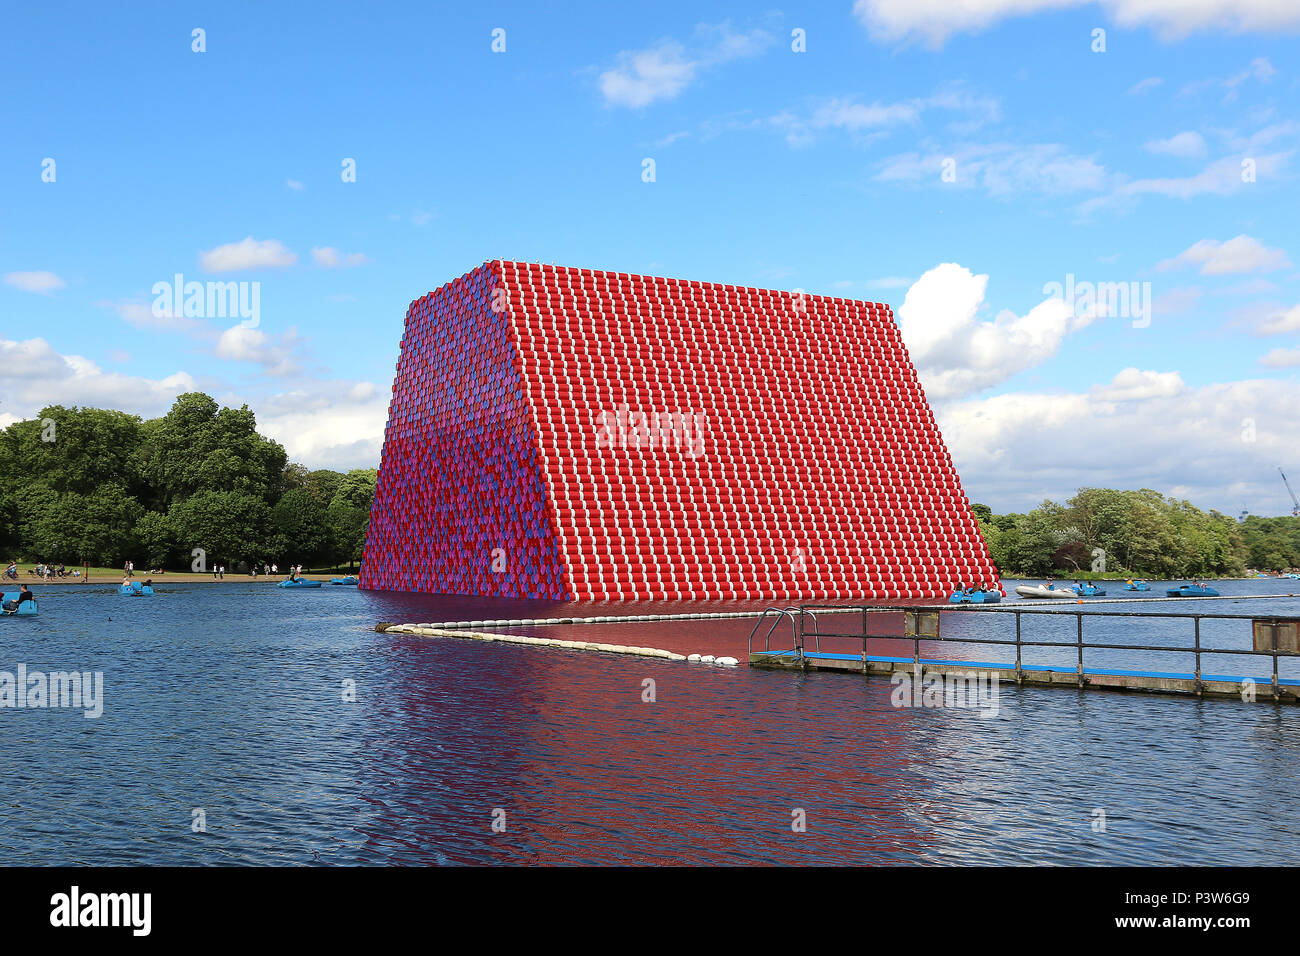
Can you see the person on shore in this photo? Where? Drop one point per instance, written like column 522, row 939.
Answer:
column 275, row 569
column 221, row 572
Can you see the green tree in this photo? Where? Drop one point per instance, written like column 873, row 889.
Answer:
column 198, row 447
column 230, row 526
column 349, row 513
column 303, row 528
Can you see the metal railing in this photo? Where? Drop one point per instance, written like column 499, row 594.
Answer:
column 796, row 616
column 914, row 627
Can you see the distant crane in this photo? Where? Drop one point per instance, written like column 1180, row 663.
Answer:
column 1295, row 502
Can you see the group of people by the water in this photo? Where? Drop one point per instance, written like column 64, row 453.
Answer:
column 43, row 571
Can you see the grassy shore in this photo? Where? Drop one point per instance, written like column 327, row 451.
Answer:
column 114, row 576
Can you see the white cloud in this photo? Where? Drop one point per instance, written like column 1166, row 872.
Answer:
column 327, row 257
column 249, row 253
column 331, row 424
column 33, row 281
column 1235, row 256
column 334, row 425
column 644, row 76
column 1133, row 384
column 1260, row 69
column 663, row 71
column 143, row 317
column 850, row 116
column 1281, row 322
column 934, row 21
column 1141, row 86
column 955, row 353
column 889, row 282
column 1189, row 144
column 1223, row 177
column 241, row 344
column 33, row 375
column 1001, row 169
column 1281, row 358
column 295, row 185
column 1014, row 450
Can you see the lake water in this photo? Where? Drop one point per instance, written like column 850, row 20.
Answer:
column 229, row 700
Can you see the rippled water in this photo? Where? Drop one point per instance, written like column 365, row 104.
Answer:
column 229, row 699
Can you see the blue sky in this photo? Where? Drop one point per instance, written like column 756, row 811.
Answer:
column 822, row 170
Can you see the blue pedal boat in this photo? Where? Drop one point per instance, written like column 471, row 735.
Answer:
column 974, row 597
column 1090, row 590
column 26, row 609
column 135, row 588
column 1189, row 590
column 350, row 579
column 298, row 584
column 1137, row 586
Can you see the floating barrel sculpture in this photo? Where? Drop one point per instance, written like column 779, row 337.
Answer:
column 584, row 435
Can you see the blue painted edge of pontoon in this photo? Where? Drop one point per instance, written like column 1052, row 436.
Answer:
column 1053, row 668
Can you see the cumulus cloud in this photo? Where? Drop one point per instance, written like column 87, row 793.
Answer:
column 247, row 254
column 1280, row 321
column 275, row 355
column 1189, row 144
column 1133, row 384
column 327, row 257
column 932, row 22
column 33, row 281
column 331, row 425
column 955, row 352
column 1233, row 257
column 327, row 424
column 33, row 374
column 1217, row 445
column 663, row 71
column 1281, row 358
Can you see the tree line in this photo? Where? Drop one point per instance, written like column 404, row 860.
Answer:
column 1135, row 533
column 95, row 486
